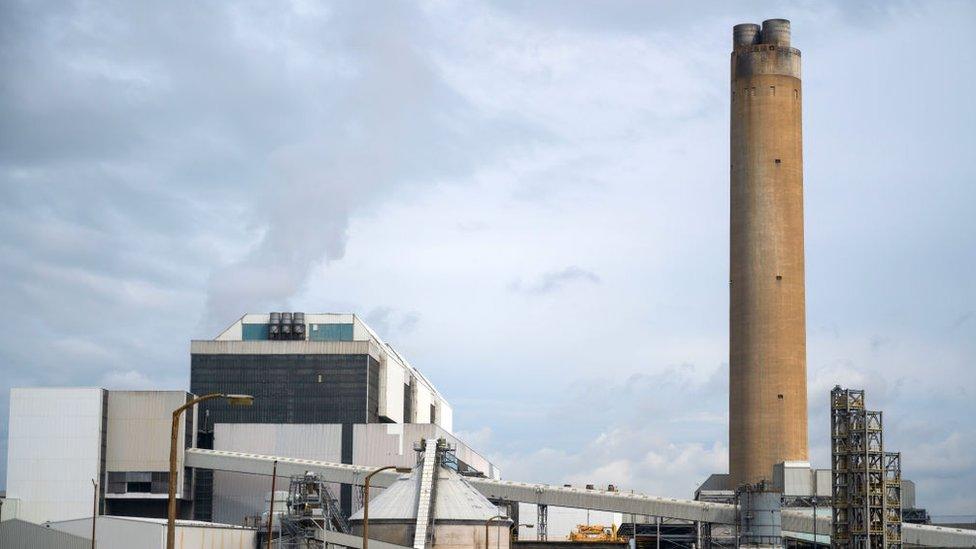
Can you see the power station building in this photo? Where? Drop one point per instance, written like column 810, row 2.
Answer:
column 767, row 311
column 62, row 439
column 307, row 369
column 325, row 387
column 314, row 368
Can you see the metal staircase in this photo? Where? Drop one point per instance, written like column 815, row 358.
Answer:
column 335, row 513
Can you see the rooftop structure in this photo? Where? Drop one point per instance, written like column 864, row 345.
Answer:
column 332, row 368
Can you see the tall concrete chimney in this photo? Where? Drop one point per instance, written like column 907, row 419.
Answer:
column 767, row 316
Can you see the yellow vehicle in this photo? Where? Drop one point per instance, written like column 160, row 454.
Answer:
column 594, row 533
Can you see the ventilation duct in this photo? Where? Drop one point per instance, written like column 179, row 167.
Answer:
column 298, row 326
column 274, row 326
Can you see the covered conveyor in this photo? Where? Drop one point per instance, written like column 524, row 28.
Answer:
column 716, row 513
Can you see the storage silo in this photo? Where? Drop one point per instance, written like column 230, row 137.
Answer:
column 460, row 512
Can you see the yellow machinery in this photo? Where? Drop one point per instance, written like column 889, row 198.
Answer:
column 594, row 533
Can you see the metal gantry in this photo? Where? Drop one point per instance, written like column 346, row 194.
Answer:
column 865, row 480
column 312, row 509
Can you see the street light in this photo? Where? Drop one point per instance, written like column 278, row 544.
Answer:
column 234, row 400
column 513, row 527
column 366, row 498
column 487, row 522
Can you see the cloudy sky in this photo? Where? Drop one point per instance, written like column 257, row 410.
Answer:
column 530, row 200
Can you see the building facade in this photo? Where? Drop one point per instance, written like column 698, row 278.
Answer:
column 338, row 371
column 137, row 456
column 310, row 369
column 55, row 450
column 65, row 441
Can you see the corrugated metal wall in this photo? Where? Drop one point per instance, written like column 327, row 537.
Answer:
column 18, row 534
column 139, row 430
column 132, row 533
column 382, row 444
column 54, row 450
column 238, row 495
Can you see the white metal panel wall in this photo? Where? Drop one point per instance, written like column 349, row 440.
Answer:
column 379, row 444
column 189, row 537
column 330, row 318
column 361, row 332
column 391, row 390
column 54, row 451
column 139, row 430
column 122, row 533
column 116, row 533
column 234, row 332
column 237, row 495
column 423, row 402
column 824, row 481
column 446, row 420
column 10, row 509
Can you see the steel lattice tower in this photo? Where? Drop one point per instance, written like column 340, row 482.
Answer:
column 866, row 480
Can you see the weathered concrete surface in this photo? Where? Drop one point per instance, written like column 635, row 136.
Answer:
column 767, row 317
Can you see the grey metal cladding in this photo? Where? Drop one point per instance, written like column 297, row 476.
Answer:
column 287, row 388
column 19, row 534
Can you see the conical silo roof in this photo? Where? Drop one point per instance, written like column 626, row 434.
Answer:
column 455, row 499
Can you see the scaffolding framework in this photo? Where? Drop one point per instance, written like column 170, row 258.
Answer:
column 865, row 480
column 312, row 509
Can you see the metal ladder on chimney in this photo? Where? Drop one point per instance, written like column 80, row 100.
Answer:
column 426, row 495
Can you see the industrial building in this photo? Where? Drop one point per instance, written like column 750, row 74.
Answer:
column 313, row 369
column 331, row 368
column 63, row 441
column 341, row 394
column 333, row 403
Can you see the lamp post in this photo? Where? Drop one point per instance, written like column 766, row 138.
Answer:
column 487, row 522
column 95, row 509
column 235, row 400
column 274, row 477
column 514, row 527
column 366, row 498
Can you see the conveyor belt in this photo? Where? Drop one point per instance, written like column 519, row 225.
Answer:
column 793, row 521
column 426, row 494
